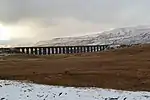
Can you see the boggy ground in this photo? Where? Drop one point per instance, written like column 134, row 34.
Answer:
column 127, row 69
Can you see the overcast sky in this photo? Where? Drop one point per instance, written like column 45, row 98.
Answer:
column 45, row 19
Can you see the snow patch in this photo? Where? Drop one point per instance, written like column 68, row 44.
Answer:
column 12, row 90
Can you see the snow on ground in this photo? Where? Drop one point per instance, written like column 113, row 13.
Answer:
column 12, row 90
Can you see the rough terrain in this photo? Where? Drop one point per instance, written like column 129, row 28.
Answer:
column 127, row 69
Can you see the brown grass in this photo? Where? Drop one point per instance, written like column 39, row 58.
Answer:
column 127, row 69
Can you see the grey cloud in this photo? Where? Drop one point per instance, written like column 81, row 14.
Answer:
column 101, row 11
column 55, row 18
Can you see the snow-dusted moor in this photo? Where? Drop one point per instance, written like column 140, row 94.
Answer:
column 117, row 36
column 12, row 90
column 125, row 35
column 74, row 49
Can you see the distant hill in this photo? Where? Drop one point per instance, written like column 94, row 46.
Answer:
column 126, row 35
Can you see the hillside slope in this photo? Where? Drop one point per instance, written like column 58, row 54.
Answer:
column 127, row 35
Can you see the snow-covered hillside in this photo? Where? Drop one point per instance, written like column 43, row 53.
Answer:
column 127, row 35
column 11, row 90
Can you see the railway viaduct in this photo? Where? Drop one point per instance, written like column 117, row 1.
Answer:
column 55, row 49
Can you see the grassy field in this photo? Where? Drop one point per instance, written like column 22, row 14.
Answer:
column 127, row 69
